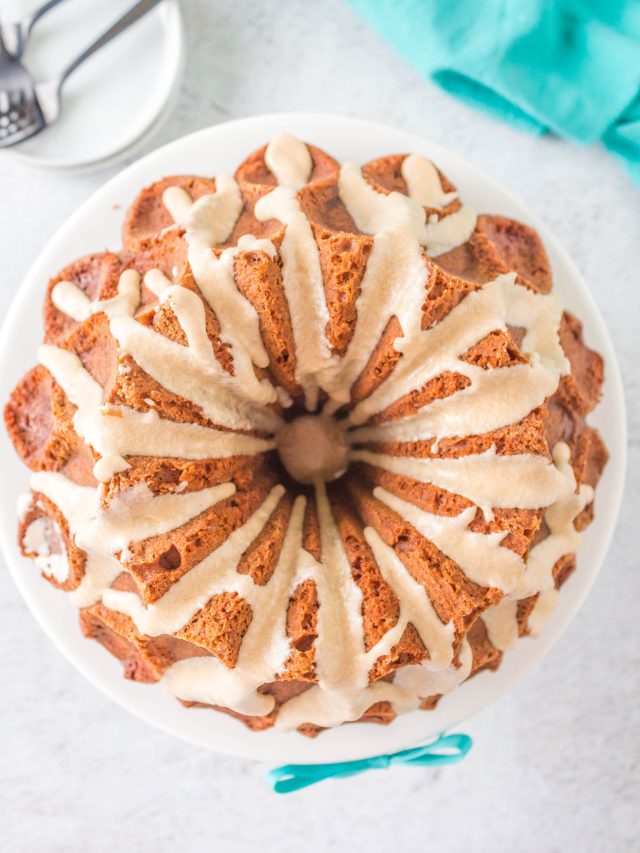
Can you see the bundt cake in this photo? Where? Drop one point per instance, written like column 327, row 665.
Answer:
column 311, row 447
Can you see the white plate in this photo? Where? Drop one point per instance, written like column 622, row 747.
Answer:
column 118, row 97
column 96, row 224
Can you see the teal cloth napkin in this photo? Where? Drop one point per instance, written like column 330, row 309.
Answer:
column 571, row 67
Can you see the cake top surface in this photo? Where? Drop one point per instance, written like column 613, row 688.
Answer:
column 344, row 400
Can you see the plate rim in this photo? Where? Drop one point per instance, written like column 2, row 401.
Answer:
column 173, row 24
column 329, row 747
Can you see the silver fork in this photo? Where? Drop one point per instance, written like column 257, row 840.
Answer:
column 26, row 108
column 20, row 113
column 15, row 34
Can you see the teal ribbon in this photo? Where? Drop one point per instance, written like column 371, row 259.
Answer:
column 447, row 749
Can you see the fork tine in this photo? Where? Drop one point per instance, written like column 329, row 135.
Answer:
column 16, row 101
column 7, row 140
column 4, row 101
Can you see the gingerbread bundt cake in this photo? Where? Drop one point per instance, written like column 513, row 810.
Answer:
column 311, row 448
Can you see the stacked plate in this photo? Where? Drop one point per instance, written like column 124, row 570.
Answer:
column 119, row 97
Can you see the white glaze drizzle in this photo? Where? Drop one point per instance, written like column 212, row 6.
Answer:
column 212, row 217
column 186, row 372
column 121, row 432
column 194, row 589
column 488, row 479
column 410, row 685
column 182, row 372
column 477, row 409
column 423, row 182
column 479, row 555
column 430, row 352
column 136, row 514
column 342, row 692
column 80, row 506
column 415, row 606
column 54, row 564
column 23, row 505
column 178, row 203
column 482, row 557
column 209, row 222
column 443, row 235
column 76, row 382
column 393, row 285
column 425, row 682
column 157, row 282
column 289, row 160
column 340, row 644
column 343, row 665
column 265, row 647
column 543, row 608
column 303, row 287
column 371, row 211
column 239, row 324
column 71, row 300
column 501, row 622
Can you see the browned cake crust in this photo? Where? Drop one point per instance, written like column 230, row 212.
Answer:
column 39, row 420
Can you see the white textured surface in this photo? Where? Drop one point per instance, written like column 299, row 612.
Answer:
column 555, row 765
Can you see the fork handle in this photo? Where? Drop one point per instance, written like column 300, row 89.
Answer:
column 17, row 34
column 42, row 10
column 134, row 14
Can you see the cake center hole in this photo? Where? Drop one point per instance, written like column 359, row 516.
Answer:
column 313, row 447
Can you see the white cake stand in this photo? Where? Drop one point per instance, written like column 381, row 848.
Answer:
column 96, row 225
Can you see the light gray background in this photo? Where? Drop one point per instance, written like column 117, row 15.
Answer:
column 555, row 765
